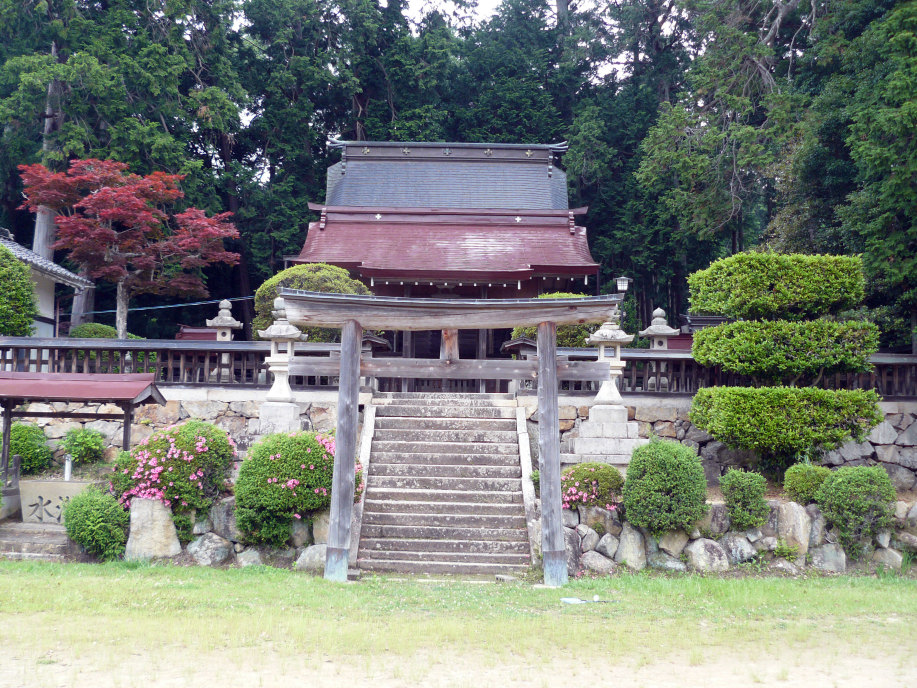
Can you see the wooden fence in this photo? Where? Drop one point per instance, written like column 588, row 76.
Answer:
column 207, row 363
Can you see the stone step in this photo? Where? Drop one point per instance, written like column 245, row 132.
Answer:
column 447, row 447
column 463, row 557
column 32, row 556
column 380, row 506
column 36, row 541
column 408, row 494
column 421, row 411
column 443, row 471
column 619, row 461
column 420, row 458
column 446, row 484
column 442, row 398
column 374, row 530
column 463, row 436
column 444, row 545
column 603, row 445
column 491, row 424
column 440, row 567
column 491, row 522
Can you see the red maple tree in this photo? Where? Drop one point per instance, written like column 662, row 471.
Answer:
column 121, row 228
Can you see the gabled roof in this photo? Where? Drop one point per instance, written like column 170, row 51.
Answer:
column 438, row 244
column 447, row 175
column 46, row 267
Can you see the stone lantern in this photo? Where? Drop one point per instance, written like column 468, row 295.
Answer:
column 283, row 337
column 224, row 324
column 610, row 335
column 659, row 333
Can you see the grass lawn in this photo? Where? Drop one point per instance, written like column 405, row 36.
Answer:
column 125, row 625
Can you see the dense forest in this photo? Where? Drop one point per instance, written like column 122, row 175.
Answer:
column 697, row 128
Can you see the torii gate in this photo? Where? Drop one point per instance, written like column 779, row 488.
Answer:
column 353, row 313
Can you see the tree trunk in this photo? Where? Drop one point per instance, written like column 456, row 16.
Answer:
column 44, row 218
column 83, row 303
column 121, row 310
column 914, row 332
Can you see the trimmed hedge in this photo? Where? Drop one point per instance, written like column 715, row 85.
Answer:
column 781, row 350
column 94, row 330
column 567, row 335
column 767, row 286
column 744, row 495
column 322, row 277
column 590, row 484
column 665, row 488
column 802, row 481
column 30, row 443
column 782, row 422
column 18, row 306
column 857, row 501
column 96, row 522
column 84, row 445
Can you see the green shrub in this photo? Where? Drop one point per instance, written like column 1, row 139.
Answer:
column 567, row 335
column 766, row 286
column 857, row 501
column 665, row 487
column 285, row 477
column 787, row 351
column 328, row 279
column 591, row 484
column 744, row 495
column 780, row 423
column 29, row 442
column 84, row 445
column 183, row 466
column 97, row 522
column 782, row 550
column 536, row 480
column 18, row 307
column 94, row 330
column 802, row 481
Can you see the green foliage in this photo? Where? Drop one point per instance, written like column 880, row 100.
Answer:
column 84, row 445
column 787, row 351
column 781, row 422
column 311, row 277
column 590, row 484
column 665, row 487
column 183, row 466
column 29, row 442
column 97, row 522
column 567, row 335
column 784, row 551
column 95, row 330
column 285, row 477
column 744, row 495
column 768, row 286
column 857, row 501
column 18, row 307
column 802, row 480
column 536, row 480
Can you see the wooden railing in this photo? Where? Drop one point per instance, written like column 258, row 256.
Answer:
column 243, row 364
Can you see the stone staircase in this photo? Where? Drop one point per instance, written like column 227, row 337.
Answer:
column 444, row 489
column 36, row 542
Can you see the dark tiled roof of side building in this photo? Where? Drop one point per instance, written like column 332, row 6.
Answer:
column 447, row 175
column 48, row 267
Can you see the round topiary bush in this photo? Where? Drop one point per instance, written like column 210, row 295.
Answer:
column 285, row 477
column 591, row 484
column 84, row 445
column 18, row 307
column 665, row 487
column 94, row 330
column 97, row 522
column 567, row 335
column 183, row 466
column 857, row 501
column 321, row 277
column 744, row 495
column 801, row 481
column 29, row 442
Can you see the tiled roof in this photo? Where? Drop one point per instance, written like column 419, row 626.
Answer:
column 447, row 175
column 482, row 249
column 43, row 265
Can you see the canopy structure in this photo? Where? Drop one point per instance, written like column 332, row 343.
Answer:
column 124, row 390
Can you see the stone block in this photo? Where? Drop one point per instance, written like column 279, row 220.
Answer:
column 588, row 537
column 608, row 414
column 152, row 531
column 56, row 431
column 573, row 551
column 249, row 557
column 223, row 518
column 321, row 524
column 592, row 515
column 608, row 545
column 737, row 548
column 301, row 535
column 202, row 525
column 883, row 433
column 903, row 479
column 673, row 542
column 246, row 409
column 717, row 520
column 205, row 410
column 210, row 549
column 901, row 510
column 278, row 416
column 770, row 524
column 666, row 562
column 597, row 563
column 111, row 430
column 312, row 559
column 888, row 558
column 160, row 416
column 606, row 445
column 906, row 541
column 664, row 429
column 651, row 414
column 631, row 548
column 854, row 451
column 566, row 425
column 783, row 566
column 794, row 526
column 829, row 557
column 567, row 412
column 42, row 501
column 706, row 555
column 323, row 418
column 695, row 434
column 817, row 529
column 908, row 438
column 766, row 544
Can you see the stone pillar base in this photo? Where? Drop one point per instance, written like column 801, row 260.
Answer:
column 279, row 416
column 607, row 437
